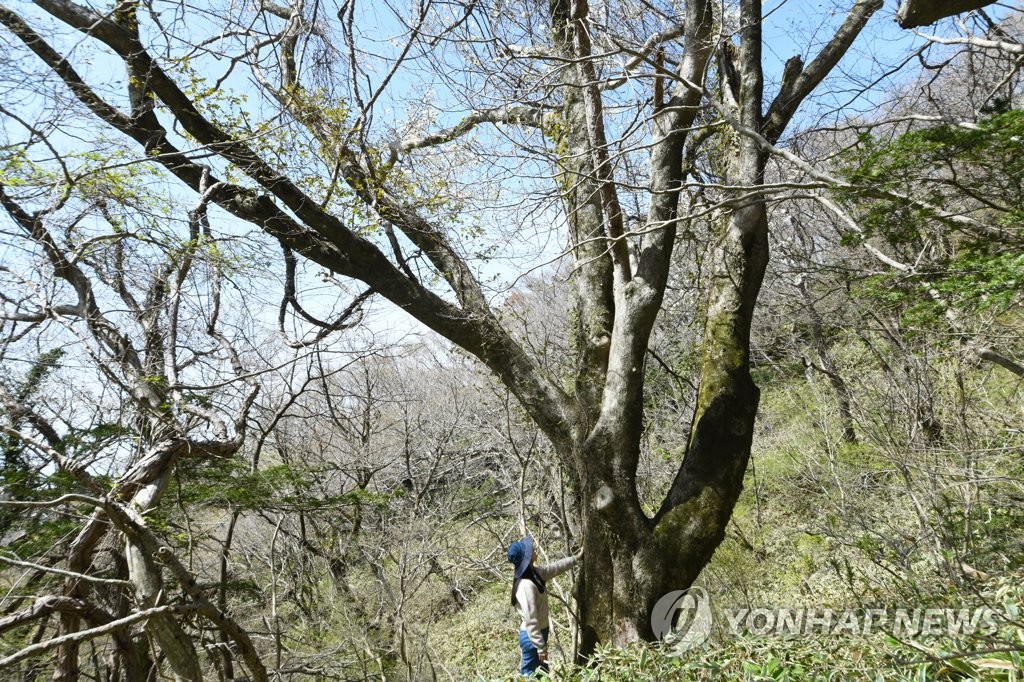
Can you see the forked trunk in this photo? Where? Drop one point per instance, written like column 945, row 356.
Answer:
column 633, row 560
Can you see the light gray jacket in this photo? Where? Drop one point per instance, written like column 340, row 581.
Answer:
column 533, row 604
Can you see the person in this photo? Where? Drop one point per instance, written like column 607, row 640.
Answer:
column 529, row 595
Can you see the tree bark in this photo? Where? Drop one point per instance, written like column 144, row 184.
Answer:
column 79, row 558
column 828, row 365
column 633, row 560
column 145, row 575
column 915, row 13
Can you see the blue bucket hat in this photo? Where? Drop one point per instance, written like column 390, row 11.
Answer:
column 520, row 553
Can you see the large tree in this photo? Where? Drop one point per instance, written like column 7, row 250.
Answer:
column 138, row 399
column 617, row 110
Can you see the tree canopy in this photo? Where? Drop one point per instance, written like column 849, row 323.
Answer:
column 216, row 208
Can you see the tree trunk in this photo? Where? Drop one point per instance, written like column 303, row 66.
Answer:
column 828, row 365
column 145, row 575
column 616, row 581
column 80, row 556
column 632, row 560
column 168, row 634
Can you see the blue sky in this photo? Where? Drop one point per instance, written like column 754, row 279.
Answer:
column 791, row 27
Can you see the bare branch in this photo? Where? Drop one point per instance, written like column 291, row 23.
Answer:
column 984, row 352
column 83, row 635
column 512, row 115
column 69, row 574
column 798, row 82
column 974, row 41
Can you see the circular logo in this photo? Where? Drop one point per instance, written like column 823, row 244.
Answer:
column 693, row 624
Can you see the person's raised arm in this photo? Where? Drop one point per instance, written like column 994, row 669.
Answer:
column 555, row 568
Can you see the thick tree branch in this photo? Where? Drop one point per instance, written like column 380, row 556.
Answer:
column 593, row 274
column 41, row 608
column 329, row 242
column 983, row 43
column 513, row 115
column 798, row 82
column 84, row 635
column 914, row 13
column 672, row 131
column 614, row 222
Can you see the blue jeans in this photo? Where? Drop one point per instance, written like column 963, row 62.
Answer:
column 531, row 658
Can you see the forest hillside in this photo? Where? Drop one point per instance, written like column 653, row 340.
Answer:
column 310, row 310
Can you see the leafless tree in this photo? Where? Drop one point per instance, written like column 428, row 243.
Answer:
column 160, row 363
